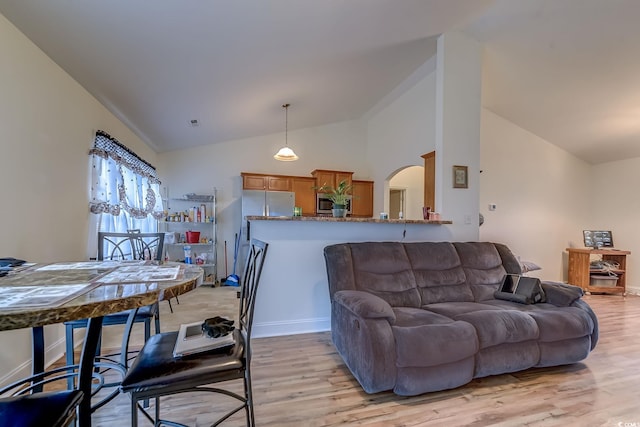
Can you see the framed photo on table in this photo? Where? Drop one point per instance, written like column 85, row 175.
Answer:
column 460, row 177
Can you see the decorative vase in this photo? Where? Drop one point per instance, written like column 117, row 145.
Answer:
column 339, row 211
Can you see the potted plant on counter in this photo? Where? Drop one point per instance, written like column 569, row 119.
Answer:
column 339, row 196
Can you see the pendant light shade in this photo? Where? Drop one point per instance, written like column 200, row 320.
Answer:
column 286, row 154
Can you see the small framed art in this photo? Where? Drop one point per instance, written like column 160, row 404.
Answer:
column 460, row 177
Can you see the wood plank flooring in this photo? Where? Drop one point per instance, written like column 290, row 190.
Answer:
column 300, row 380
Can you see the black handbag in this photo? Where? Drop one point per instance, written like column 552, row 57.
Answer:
column 520, row 289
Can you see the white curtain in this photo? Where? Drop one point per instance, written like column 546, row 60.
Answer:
column 125, row 191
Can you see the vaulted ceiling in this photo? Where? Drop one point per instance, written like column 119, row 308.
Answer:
column 564, row 70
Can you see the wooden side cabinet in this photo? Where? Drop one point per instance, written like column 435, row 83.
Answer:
column 252, row 181
column 579, row 270
column 332, row 178
column 305, row 194
column 362, row 203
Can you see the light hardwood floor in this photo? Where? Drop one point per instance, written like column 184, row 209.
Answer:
column 301, row 381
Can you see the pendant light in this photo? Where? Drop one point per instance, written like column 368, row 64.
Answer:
column 286, row 154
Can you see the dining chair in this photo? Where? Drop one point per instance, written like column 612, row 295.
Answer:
column 54, row 409
column 132, row 245
column 156, row 373
column 24, row 404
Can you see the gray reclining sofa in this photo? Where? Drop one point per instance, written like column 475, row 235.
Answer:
column 422, row 317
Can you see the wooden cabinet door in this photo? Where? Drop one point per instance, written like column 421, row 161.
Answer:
column 343, row 176
column 329, row 177
column 279, row 183
column 362, row 203
column 305, row 194
column 324, row 177
column 254, row 182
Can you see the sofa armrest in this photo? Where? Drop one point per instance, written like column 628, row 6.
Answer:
column 564, row 295
column 561, row 294
column 365, row 305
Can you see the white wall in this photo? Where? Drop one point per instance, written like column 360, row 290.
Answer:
column 543, row 195
column 616, row 207
column 400, row 133
column 47, row 125
column 457, row 139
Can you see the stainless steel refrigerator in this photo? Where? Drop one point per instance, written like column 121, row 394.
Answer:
column 267, row 203
column 262, row 203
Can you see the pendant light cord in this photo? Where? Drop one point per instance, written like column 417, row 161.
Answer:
column 286, row 124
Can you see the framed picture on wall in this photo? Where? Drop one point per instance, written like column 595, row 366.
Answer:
column 460, row 177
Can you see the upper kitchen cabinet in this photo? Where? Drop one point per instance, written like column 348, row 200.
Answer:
column 362, row 203
column 253, row 181
column 330, row 177
column 305, row 194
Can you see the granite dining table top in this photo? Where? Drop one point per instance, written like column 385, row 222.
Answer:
column 44, row 294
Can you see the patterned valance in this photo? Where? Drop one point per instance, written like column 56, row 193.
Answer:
column 107, row 146
column 122, row 181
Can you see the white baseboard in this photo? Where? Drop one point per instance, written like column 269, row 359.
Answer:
column 303, row 326
column 633, row 291
column 52, row 353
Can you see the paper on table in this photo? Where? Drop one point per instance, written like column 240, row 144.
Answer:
column 147, row 273
column 12, row 297
column 87, row 265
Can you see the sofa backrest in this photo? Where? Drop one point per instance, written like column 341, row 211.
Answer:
column 438, row 272
column 482, row 266
column 381, row 268
column 414, row 274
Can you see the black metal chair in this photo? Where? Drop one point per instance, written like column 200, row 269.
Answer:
column 24, row 403
column 55, row 409
column 156, row 373
column 117, row 247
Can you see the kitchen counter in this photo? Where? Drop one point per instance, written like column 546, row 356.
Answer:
column 347, row 219
column 293, row 296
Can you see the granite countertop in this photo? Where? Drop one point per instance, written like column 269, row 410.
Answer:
column 348, row 219
column 99, row 298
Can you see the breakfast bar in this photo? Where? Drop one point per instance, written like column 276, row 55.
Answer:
column 294, row 296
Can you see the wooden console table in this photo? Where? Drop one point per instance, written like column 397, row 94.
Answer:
column 580, row 272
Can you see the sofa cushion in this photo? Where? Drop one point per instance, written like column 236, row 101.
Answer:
column 501, row 326
column 415, row 380
column 482, row 267
column 428, row 339
column 408, row 317
column 563, row 323
column 453, row 309
column 507, row 357
column 554, row 323
column 438, row 272
column 384, row 270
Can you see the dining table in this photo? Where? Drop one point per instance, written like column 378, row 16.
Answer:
column 33, row 296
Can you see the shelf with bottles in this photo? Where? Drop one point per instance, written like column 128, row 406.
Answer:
column 209, row 243
column 200, row 254
column 191, row 213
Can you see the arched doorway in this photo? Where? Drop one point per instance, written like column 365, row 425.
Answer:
column 406, row 192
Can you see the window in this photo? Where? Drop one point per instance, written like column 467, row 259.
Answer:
column 125, row 189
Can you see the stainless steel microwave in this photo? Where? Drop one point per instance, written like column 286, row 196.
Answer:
column 324, row 204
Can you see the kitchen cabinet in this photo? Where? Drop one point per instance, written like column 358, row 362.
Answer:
column 580, row 271
column 362, row 203
column 331, row 177
column 182, row 216
column 304, row 188
column 252, row 181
